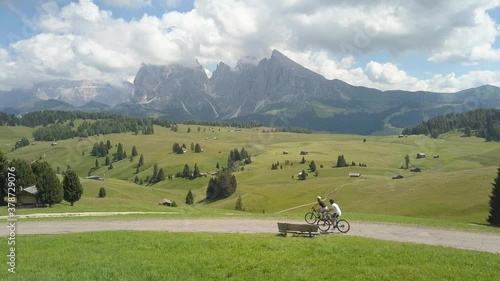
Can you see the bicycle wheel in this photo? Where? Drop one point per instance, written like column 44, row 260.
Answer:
column 343, row 226
column 311, row 218
column 324, row 224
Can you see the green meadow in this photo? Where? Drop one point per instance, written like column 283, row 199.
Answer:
column 451, row 191
column 131, row 255
column 452, row 188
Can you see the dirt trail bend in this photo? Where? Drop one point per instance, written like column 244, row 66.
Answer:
column 392, row 232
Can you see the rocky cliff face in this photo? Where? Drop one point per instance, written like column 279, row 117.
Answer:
column 176, row 90
column 248, row 88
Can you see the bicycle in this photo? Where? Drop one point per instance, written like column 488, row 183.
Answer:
column 324, row 224
column 313, row 216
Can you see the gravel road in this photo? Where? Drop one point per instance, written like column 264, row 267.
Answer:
column 392, row 232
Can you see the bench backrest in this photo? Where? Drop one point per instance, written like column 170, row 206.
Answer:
column 297, row 227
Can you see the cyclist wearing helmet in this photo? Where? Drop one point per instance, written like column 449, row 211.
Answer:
column 323, row 208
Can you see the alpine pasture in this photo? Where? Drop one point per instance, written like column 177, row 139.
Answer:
column 453, row 188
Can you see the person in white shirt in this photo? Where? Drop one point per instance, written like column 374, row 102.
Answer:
column 336, row 211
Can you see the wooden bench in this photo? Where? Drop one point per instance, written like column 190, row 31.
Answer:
column 309, row 229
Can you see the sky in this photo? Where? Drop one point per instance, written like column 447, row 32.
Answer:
column 415, row 45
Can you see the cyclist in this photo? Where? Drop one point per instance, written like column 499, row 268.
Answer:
column 324, row 209
column 336, row 211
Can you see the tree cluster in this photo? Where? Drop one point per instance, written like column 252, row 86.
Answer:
column 341, row 161
column 222, row 186
column 484, row 123
column 236, row 156
column 100, row 149
column 158, row 175
column 40, row 174
column 276, row 165
column 179, row 149
column 120, row 153
column 21, row 143
column 187, row 173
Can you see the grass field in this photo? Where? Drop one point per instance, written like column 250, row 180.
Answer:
column 452, row 188
column 203, row 256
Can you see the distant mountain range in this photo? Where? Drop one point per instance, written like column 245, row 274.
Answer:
column 275, row 90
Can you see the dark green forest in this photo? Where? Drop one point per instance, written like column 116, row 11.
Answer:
column 483, row 123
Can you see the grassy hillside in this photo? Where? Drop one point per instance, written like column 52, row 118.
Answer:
column 455, row 186
column 209, row 256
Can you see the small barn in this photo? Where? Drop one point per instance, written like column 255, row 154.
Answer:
column 285, row 151
column 203, row 175
column 27, row 196
column 304, row 153
column 414, row 169
column 96, row 178
column 420, row 155
column 435, row 156
column 53, row 144
column 397, row 177
column 354, row 175
column 165, row 202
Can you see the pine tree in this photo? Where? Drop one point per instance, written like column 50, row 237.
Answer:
column 155, row 173
column 197, row 148
column 110, row 167
column 239, row 204
column 107, row 161
column 97, row 163
column 108, row 145
column 141, row 161
column 192, row 146
column 102, row 192
column 49, row 187
column 196, row 171
column 303, row 160
column 217, row 166
column 134, row 151
column 186, row 172
column 407, row 161
column 189, row 198
column 119, row 155
column 24, row 174
column 312, row 166
column 494, row 217
column 72, row 187
column 161, row 175
column 136, row 179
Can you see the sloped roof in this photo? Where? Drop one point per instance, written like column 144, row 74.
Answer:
column 32, row 189
column 163, row 201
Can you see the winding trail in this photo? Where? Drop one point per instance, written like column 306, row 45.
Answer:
column 392, row 232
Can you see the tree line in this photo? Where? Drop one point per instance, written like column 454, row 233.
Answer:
column 483, row 123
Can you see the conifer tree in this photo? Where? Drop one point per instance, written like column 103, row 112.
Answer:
column 134, row 151
column 239, row 204
column 72, row 187
column 189, row 198
column 161, row 175
column 494, row 217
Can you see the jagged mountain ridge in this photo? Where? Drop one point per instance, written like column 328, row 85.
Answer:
column 279, row 91
column 249, row 88
column 274, row 90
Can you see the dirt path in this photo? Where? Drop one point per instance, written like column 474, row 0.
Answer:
column 392, row 232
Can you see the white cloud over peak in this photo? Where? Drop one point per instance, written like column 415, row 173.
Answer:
column 133, row 4
column 82, row 40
